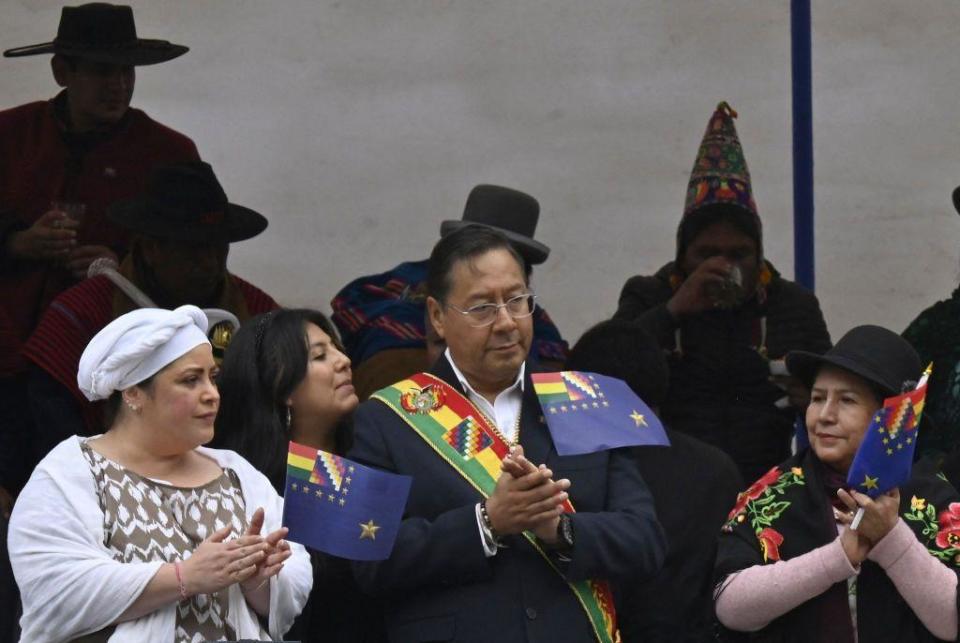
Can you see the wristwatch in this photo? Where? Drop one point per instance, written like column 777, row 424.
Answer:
column 565, row 532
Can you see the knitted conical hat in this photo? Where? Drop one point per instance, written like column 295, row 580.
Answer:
column 720, row 173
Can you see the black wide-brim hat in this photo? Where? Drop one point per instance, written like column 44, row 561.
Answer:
column 876, row 354
column 105, row 33
column 185, row 202
column 512, row 212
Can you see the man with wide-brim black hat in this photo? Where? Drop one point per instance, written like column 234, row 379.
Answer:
column 381, row 317
column 183, row 226
column 62, row 163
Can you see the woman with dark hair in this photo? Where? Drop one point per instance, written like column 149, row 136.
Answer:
column 141, row 533
column 286, row 378
column 790, row 567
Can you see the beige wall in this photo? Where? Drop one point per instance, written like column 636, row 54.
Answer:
column 356, row 126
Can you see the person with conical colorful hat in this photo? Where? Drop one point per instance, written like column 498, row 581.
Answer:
column 726, row 315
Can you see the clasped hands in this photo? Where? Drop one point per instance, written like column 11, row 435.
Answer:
column 526, row 498
column 250, row 560
column 880, row 515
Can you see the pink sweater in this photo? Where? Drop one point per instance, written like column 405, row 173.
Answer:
column 753, row 597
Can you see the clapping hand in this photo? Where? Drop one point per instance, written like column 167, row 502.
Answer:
column 217, row 563
column 880, row 515
column 527, row 498
column 276, row 552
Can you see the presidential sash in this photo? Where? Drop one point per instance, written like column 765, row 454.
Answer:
column 467, row 441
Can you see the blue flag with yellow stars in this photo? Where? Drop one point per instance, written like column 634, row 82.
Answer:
column 587, row 412
column 884, row 459
column 340, row 507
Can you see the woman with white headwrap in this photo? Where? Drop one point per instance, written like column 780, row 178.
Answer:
column 141, row 534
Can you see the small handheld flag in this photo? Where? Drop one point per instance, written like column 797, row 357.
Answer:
column 340, row 507
column 885, row 457
column 587, row 412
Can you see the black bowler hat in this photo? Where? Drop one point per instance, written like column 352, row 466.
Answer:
column 876, row 354
column 184, row 202
column 511, row 212
column 104, row 33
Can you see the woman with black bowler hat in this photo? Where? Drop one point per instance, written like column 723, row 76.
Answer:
column 791, row 568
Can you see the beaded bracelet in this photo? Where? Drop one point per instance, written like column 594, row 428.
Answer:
column 486, row 518
column 180, row 585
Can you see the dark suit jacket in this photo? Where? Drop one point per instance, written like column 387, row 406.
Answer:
column 439, row 586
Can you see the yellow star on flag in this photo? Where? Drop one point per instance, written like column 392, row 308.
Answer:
column 638, row 418
column 369, row 530
column 868, row 482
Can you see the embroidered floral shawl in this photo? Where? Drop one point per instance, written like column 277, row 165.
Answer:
column 785, row 514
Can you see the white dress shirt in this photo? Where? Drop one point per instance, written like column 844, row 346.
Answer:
column 505, row 412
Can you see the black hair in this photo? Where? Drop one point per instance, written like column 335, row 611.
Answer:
column 879, row 391
column 622, row 349
column 265, row 361
column 111, row 407
column 464, row 244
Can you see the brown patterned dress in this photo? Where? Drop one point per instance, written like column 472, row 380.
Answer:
column 147, row 520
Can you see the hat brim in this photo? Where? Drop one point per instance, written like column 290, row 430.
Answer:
column 804, row 366
column 143, row 52
column 143, row 216
column 531, row 249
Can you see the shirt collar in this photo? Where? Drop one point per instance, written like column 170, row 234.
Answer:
column 517, row 383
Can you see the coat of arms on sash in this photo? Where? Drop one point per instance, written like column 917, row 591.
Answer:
column 422, row 401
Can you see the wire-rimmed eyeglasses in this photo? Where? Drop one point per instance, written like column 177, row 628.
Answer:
column 485, row 314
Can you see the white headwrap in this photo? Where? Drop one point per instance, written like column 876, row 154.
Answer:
column 137, row 345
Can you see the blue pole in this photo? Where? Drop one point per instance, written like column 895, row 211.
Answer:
column 802, row 77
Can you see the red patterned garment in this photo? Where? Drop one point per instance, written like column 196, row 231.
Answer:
column 40, row 163
column 74, row 317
